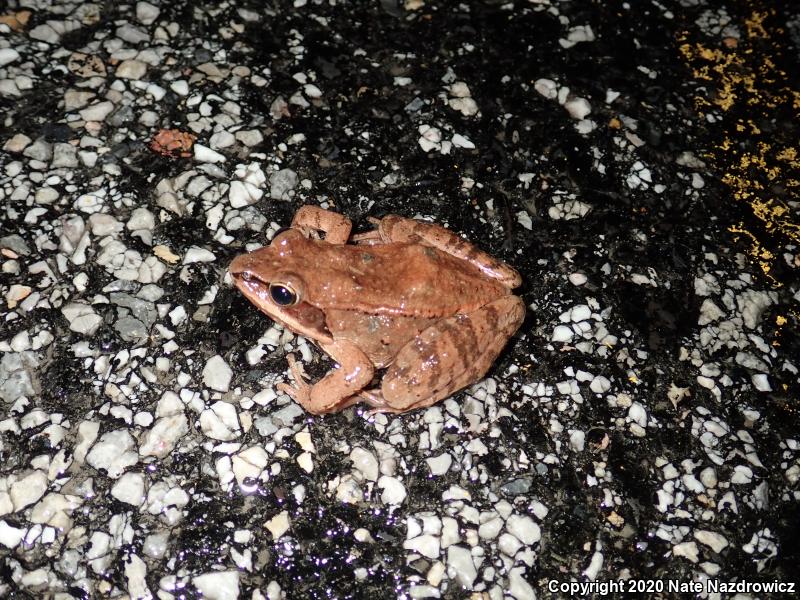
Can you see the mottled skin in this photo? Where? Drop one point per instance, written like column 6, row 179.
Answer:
column 409, row 296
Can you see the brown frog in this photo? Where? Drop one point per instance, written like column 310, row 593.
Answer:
column 410, row 297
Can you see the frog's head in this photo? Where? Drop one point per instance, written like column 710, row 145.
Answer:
column 270, row 279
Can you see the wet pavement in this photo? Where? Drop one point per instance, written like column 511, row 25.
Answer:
column 636, row 163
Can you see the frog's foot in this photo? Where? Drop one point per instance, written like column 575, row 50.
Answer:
column 300, row 391
column 374, row 398
column 310, row 219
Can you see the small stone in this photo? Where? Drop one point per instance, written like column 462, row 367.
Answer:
column 249, row 463
column 96, row 112
column 439, row 465
column 366, row 463
column 460, row 563
column 394, row 492
column 82, row 318
column 249, row 137
column 40, row 150
column 281, row 184
column 577, row 279
column 220, row 422
column 207, row 155
column 27, row 490
column 578, row 108
column 146, row 13
column 687, row 550
column 426, row 544
column 113, row 452
column 217, row 374
column 162, row 438
column 524, row 529
column 459, row 141
column 562, row 333
column 135, row 573
column 218, row 585
column 180, row 87
column 547, row 88
column 278, row 525
column 141, row 218
column 129, row 489
column 761, row 382
column 10, row 536
column 8, row 56
column 17, row 143
column 222, row 139
column 713, row 540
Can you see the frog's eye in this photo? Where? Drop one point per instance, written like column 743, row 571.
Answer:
column 282, row 294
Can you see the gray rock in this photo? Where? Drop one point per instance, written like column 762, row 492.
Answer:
column 18, row 375
column 516, row 487
column 142, row 310
column 16, row 243
column 64, row 156
column 281, row 183
column 39, row 150
column 286, row 415
column 130, row 329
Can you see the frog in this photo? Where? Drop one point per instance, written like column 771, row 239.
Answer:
column 410, row 311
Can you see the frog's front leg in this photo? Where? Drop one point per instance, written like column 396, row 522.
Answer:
column 310, row 219
column 393, row 228
column 447, row 356
column 340, row 387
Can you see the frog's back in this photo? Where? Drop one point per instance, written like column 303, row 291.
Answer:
column 402, row 279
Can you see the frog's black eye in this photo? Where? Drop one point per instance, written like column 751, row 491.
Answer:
column 282, row 294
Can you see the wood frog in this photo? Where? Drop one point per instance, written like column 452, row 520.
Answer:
column 410, row 297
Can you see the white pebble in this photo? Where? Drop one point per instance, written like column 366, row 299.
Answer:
column 461, row 566
column 578, row 108
column 96, row 112
column 218, row 585
column 761, row 382
column 439, row 465
column 713, row 540
column 206, row 154
column 180, row 87
column 27, row 490
column 427, row 545
column 638, row 414
column 220, row 422
column 459, row 141
column 562, row 333
column 249, row 463
column 600, row 385
column 217, row 374
column 10, row 537
column 365, row 463
column 524, row 529
column 82, row 318
column 114, row 452
column 129, row 489
column 146, row 13
column 394, row 492
column 547, row 88
column 278, row 525
column 7, row 56
column 196, row 254
column 577, row 279
column 131, row 69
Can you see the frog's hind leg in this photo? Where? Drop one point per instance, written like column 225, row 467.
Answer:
column 448, row 356
column 393, row 228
